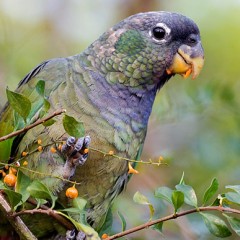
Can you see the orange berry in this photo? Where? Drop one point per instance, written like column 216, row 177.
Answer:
column 24, row 154
column 104, row 236
column 10, row 179
column 60, row 147
column 25, row 163
column 13, row 170
column 72, row 192
column 53, row 150
column 111, row 152
column 39, row 141
column 6, row 167
column 86, row 150
column 40, row 148
column 160, row 158
column 131, row 169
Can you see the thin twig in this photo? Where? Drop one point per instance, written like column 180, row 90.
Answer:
column 172, row 216
column 16, row 222
column 67, row 224
column 39, row 121
column 150, row 162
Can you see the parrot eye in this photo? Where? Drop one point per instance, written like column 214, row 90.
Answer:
column 192, row 40
column 159, row 32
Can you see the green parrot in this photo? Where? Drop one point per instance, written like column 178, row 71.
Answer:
column 110, row 87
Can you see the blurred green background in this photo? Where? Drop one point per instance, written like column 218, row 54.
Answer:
column 195, row 125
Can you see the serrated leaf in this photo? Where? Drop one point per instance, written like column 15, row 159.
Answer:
column 210, row 191
column 164, row 193
column 233, row 197
column 234, row 223
column 19, row 103
column 123, row 221
column 216, row 225
column 39, row 190
column 73, row 127
column 177, row 199
column 40, row 87
column 141, row 199
column 79, row 203
column 235, row 188
column 190, row 197
column 13, row 197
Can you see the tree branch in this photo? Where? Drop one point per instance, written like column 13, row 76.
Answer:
column 16, row 222
column 172, row 216
column 45, row 210
column 39, row 121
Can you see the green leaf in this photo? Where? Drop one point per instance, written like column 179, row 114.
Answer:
column 79, row 203
column 5, row 150
column 216, row 225
column 70, row 210
column 190, row 197
column 164, row 193
column 141, row 199
column 234, row 223
column 235, row 188
column 6, row 146
column 177, row 199
column 40, row 87
column 19, row 103
column 13, row 197
column 46, row 106
column 233, row 197
column 2, row 186
column 123, row 221
column 73, row 127
column 39, row 190
column 23, row 182
column 210, row 191
column 158, row 227
column 107, row 223
column 49, row 122
column 90, row 232
column 40, row 202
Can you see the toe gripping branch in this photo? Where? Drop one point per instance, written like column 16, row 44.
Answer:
column 75, row 151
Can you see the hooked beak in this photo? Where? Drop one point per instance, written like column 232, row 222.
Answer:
column 188, row 60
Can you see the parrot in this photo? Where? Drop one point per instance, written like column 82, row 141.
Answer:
column 110, row 87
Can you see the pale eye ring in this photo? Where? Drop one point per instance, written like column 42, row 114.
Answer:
column 159, row 32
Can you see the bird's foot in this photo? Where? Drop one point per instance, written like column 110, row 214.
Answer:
column 74, row 235
column 76, row 150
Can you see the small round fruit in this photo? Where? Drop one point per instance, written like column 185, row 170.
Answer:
column 72, row 192
column 10, row 179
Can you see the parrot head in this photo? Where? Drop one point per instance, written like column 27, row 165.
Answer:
column 146, row 49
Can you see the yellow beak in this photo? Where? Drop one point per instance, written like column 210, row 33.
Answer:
column 188, row 60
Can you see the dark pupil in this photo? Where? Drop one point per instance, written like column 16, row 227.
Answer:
column 159, row 33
